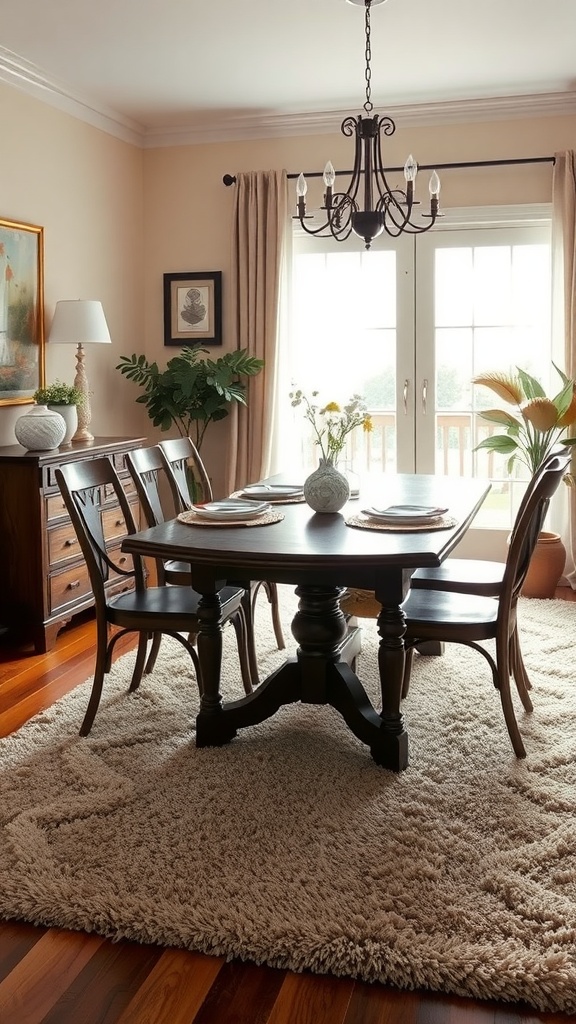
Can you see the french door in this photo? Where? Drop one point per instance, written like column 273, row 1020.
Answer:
column 407, row 325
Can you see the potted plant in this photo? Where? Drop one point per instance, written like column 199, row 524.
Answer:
column 529, row 436
column 192, row 391
column 64, row 399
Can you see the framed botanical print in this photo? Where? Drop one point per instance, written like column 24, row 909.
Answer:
column 193, row 308
column 21, row 311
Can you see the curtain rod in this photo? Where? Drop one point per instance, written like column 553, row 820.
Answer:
column 230, row 179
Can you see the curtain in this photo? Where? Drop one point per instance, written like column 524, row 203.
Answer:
column 564, row 312
column 259, row 241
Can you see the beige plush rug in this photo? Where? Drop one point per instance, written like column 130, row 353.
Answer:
column 290, row 847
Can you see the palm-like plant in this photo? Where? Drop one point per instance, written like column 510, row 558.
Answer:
column 539, row 422
column 191, row 392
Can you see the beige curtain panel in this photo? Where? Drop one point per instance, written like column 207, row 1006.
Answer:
column 258, row 248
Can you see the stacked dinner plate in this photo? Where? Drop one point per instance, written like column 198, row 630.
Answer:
column 273, row 492
column 406, row 515
column 236, row 509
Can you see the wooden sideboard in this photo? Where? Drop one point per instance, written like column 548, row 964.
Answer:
column 44, row 576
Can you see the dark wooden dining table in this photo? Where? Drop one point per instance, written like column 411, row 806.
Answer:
column 321, row 556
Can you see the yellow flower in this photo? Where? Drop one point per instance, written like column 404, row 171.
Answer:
column 507, row 387
column 332, row 407
column 367, row 425
column 541, row 413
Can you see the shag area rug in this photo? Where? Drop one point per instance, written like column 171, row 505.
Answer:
column 291, row 847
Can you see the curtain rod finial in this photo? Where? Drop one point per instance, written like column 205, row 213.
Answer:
column 229, row 179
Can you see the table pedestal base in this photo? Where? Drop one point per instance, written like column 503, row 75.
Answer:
column 321, row 673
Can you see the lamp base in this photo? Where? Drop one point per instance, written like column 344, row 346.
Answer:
column 82, row 434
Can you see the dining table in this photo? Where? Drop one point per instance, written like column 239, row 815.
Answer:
column 321, row 555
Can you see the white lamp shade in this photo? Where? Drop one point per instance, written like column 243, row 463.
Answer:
column 79, row 321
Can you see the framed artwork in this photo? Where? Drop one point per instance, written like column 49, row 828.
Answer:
column 193, row 308
column 21, row 311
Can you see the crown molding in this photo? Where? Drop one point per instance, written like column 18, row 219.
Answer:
column 28, row 78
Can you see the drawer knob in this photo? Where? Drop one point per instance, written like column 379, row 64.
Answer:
column 74, row 585
column 120, row 522
column 70, row 543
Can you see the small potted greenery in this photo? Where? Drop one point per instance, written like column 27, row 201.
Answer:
column 65, row 399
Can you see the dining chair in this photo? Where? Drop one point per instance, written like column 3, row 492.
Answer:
column 87, row 488
column 148, row 469
column 178, row 454
column 471, row 619
column 480, row 576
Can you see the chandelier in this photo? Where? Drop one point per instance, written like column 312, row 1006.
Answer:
column 380, row 208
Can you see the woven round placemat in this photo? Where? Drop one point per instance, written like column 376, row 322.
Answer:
column 366, row 523
column 266, row 519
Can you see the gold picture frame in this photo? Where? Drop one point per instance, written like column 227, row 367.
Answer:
column 193, row 308
column 22, row 358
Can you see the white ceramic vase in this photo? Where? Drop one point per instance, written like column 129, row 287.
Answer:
column 326, row 489
column 69, row 414
column 40, row 429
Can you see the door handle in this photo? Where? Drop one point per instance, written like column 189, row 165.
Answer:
column 424, row 395
column 405, row 395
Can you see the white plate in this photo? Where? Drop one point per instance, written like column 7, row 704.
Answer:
column 272, row 492
column 405, row 514
column 231, row 508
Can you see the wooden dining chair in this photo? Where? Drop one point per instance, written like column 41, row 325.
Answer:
column 88, row 487
column 180, row 454
column 148, row 471
column 471, row 620
column 479, row 576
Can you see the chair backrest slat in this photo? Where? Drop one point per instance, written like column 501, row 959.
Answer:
column 181, row 457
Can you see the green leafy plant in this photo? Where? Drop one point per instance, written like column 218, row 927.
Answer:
column 191, row 392
column 331, row 423
column 58, row 393
column 539, row 422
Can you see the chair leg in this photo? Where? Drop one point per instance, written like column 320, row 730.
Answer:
column 239, row 623
column 156, row 641
column 140, row 661
column 503, row 669
column 518, row 670
column 99, row 673
column 271, row 591
column 408, row 659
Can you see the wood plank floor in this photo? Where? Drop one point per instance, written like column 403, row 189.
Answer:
column 53, row 976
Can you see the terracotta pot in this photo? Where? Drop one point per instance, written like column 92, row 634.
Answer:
column 546, row 566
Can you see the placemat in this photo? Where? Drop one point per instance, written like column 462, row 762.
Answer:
column 193, row 519
column 365, row 523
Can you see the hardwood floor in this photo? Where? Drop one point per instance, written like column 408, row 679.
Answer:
column 53, row 976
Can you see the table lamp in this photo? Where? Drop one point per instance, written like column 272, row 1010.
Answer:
column 80, row 322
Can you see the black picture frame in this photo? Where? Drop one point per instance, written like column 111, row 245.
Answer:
column 193, row 308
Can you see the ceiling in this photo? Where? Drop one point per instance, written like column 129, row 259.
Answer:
column 159, row 67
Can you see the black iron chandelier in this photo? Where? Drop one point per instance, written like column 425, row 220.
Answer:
column 382, row 208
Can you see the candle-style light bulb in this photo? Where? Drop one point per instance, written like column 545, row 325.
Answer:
column 410, row 169
column 329, row 175
column 434, row 185
column 301, row 190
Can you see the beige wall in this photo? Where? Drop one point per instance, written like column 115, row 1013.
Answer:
column 85, row 189
column 117, row 218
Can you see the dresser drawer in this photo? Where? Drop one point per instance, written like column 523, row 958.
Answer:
column 55, row 507
column 68, row 587
column 63, row 545
column 114, row 523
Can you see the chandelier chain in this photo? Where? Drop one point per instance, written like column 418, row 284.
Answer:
column 368, row 106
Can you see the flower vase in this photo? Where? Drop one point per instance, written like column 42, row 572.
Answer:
column 546, row 566
column 326, row 489
column 69, row 414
